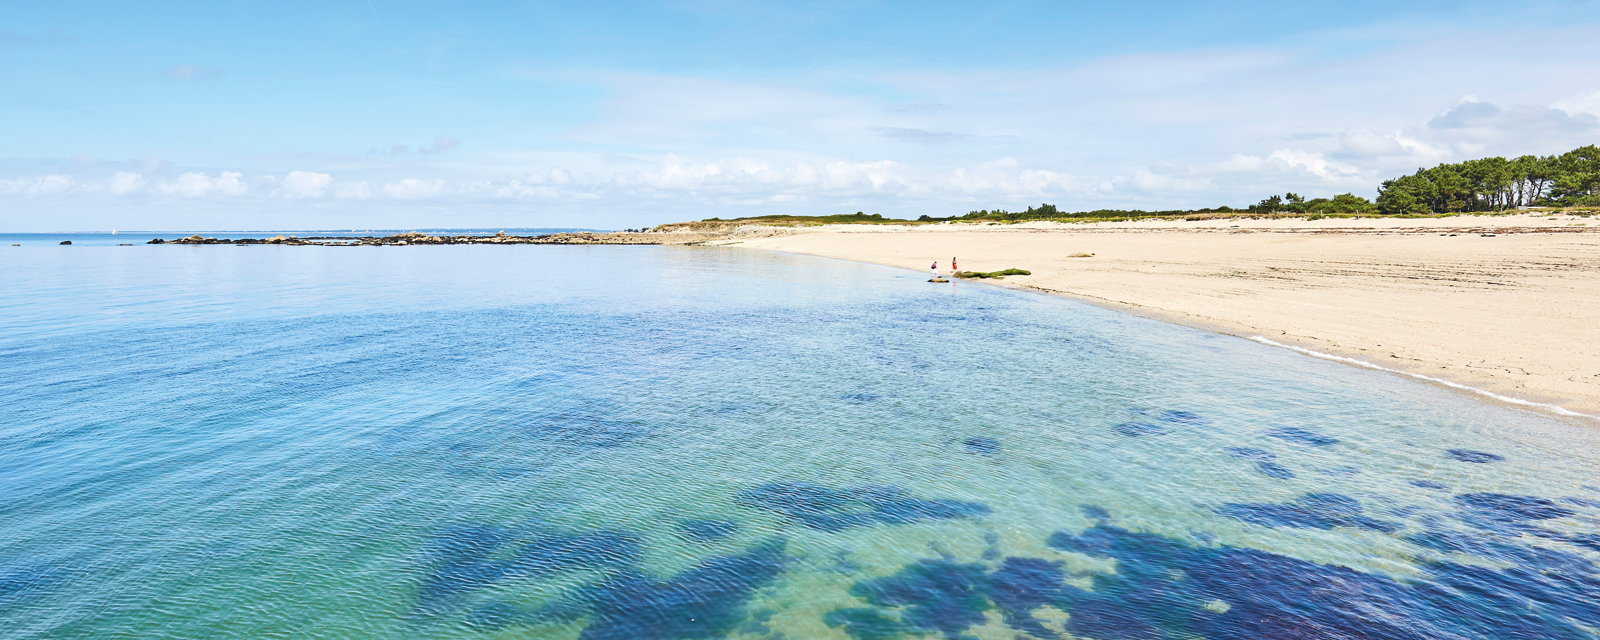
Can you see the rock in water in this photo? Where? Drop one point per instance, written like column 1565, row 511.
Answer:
column 65, row 242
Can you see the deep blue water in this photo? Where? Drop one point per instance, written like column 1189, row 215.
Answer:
column 677, row 442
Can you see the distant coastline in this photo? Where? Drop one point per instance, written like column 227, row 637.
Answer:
column 419, row 238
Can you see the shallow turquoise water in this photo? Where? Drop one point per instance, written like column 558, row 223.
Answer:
column 657, row 442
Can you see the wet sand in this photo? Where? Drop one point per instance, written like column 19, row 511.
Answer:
column 1504, row 304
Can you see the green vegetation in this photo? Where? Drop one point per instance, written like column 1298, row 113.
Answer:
column 1293, row 203
column 1571, row 179
column 1495, row 184
column 997, row 275
column 1050, row 212
column 858, row 218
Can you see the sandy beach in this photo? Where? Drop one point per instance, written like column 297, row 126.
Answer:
column 1508, row 305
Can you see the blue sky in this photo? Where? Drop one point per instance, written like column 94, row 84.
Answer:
column 381, row 114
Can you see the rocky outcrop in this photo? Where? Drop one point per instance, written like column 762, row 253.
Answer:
column 679, row 234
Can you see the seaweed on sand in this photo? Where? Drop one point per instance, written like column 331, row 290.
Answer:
column 997, row 275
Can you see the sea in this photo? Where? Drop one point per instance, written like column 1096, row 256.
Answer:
column 638, row 442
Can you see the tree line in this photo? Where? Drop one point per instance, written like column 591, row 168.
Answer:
column 1571, row 179
column 1496, row 184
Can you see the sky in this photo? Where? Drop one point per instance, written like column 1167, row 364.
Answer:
column 375, row 114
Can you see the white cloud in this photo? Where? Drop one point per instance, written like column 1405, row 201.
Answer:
column 352, row 190
column 229, row 183
column 37, row 185
column 305, row 184
column 414, row 189
column 1484, row 128
column 1586, row 103
column 1147, row 180
column 1362, row 143
column 1312, row 163
column 188, row 185
column 124, row 182
column 196, row 185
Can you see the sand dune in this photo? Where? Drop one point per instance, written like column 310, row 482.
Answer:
column 1506, row 304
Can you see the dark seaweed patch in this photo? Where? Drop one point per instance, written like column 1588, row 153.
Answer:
column 466, row 542
column 864, row 623
column 842, row 562
column 1588, row 541
column 705, row 601
column 1468, row 455
column 1274, row 470
column 1022, row 585
column 1500, row 507
column 827, row 509
column 934, row 596
column 1161, row 589
column 697, row 530
column 563, row 552
column 1582, row 502
column 1251, row 454
column 757, row 625
column 462, row 562
column 991, row 545
column 1429, row 484
column 1301, row 436
column 588, row 432
column 1137, row 429
column 1182, row 417
column 1107, row 619
column 1164, row 588
column 1310, row 511
column 982, row 445
column 19, row 579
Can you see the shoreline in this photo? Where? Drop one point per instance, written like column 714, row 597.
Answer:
column 1354, row 359
column 1514, row 323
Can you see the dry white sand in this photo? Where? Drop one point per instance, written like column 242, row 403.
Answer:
column 1516, row 314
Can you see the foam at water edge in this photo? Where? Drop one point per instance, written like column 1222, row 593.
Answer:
column 1454, row 385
